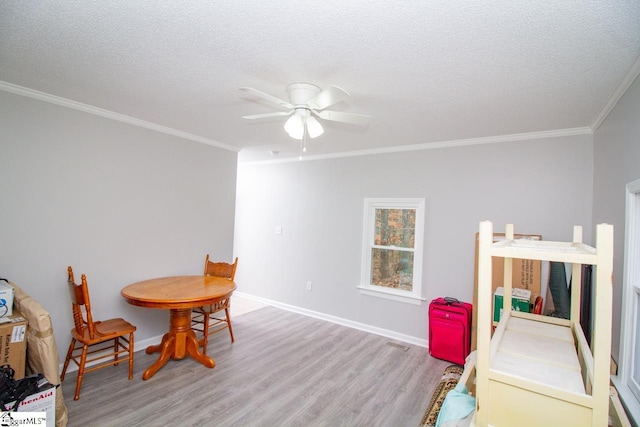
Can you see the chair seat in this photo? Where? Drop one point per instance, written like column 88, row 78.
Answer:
column 104, row 330
column 213, row 308
column 114, row 326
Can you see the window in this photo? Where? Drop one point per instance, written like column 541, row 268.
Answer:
column 392, row 249
column 628, row 379
column 634, row 380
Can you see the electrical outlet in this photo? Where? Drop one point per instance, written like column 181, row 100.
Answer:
column 308, row 286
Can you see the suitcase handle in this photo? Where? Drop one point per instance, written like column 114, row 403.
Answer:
column 451, row 300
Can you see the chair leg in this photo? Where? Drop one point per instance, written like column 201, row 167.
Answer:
column 116, row 349
column 205, row 329
column 131, row 353
column 226, row 310
column 83, row 359
column 68, row 358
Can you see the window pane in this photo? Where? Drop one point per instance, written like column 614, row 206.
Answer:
column 392, row 269
column 395, row 227
column 635, row 357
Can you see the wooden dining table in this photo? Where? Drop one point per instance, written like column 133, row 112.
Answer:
column 178, row 294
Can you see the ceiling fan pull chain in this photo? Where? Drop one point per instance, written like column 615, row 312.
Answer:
column 304, row 138
column 303, row 141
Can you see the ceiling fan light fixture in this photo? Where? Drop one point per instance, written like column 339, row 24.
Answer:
column 314, row 127
column 294, row 126
column 307, row 103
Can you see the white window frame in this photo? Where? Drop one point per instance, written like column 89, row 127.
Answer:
column 628, row 388
column 370, row 205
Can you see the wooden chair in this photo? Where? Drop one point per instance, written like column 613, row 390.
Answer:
column 202, row 319
column 108, row 339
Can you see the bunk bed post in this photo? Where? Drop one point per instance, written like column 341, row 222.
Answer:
column 484, row 325
column 576, row 280
column 601, row 344
column 507, row 281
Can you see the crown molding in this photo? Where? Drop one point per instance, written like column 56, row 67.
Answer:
column 435, row 145
column 31, row 93
column 42, row 96
column 628, row 79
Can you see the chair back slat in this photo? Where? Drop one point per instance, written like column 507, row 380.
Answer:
column 220, row 269
column 82, row 318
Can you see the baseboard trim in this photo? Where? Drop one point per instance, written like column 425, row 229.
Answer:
column 629, row 401
column 339, row 320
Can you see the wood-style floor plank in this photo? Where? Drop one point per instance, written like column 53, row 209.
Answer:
column 284, row 369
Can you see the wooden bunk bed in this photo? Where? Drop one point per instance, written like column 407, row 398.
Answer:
column 539, row 370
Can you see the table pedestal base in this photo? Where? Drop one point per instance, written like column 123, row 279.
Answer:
column 179, row 342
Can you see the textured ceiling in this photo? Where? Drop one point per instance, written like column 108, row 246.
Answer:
column 425, row 71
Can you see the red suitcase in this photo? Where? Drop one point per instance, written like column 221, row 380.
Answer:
column 450, row 329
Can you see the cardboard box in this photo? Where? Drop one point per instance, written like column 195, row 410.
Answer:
column 520, row 300
column 6, row 299
column 42, row 401
column 525, row 275
column 13, row 343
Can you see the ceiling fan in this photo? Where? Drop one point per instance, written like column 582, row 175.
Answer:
column 306, row 103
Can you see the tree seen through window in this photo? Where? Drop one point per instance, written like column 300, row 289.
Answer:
column 393, row 248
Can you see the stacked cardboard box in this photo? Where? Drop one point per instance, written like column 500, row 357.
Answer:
column 43, row 400
column 13, row 344
column 6, row 299
column 520, row 301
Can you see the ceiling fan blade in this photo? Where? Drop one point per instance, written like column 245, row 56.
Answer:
column 268, row 115
column 328, row 97
column 266, row 97
column 339, row 116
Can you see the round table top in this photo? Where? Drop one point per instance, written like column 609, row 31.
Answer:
column 178, row 291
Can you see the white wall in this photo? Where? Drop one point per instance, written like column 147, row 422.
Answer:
column 617, row 163
column 542, row 186
column 117, row 202
column 122, row 204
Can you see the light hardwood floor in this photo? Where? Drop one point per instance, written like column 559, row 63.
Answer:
column 285, row 369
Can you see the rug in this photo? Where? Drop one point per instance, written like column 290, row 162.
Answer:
column 448, row 381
